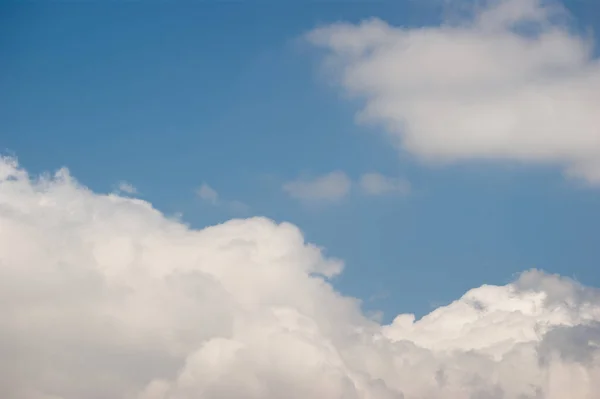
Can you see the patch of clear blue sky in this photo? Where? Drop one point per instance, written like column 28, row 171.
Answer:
column 167, row 96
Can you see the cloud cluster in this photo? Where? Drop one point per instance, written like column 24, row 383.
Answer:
column 513, row 82
column 102, row 296
column 334, row 186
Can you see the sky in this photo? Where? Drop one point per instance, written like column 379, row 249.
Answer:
column 400, row 153
column 228, row 94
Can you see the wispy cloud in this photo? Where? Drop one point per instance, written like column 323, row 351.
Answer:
column 208, row 194
column 334, row 186
column 377, row 184
column 238, row 207
column 330, row 187
column 211, row 196
column 127, row 188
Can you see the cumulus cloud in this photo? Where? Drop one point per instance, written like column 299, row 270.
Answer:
column 207, row 193
column 102, row 296
column 513, row 82
column 330, row 187
column 378, row 184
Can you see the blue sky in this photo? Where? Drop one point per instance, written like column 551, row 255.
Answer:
column 167, row 97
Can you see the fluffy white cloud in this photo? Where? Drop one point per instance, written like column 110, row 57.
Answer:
column 378, row 184
column 512, row 83
column 104, row 297
column 330, row 187
column 207, row 193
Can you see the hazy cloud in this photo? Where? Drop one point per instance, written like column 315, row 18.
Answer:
column 378, row 184
column 238, row 207
column 330, row 187
column 208, row 194
column 127, row 188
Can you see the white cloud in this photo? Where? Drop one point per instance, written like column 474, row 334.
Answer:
column 479, row 89
column 102, row 296
column 378, row 184
column 330, row 187
column 127, row 188
column 208, row 194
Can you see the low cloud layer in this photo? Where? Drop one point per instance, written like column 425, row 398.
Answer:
column 514, row 82
column 102, row 296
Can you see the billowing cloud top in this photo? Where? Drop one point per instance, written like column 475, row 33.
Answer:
column 102, row 296
column 513, row 83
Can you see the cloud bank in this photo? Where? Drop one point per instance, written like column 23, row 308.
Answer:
column 513, row 82
column 102, row 296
